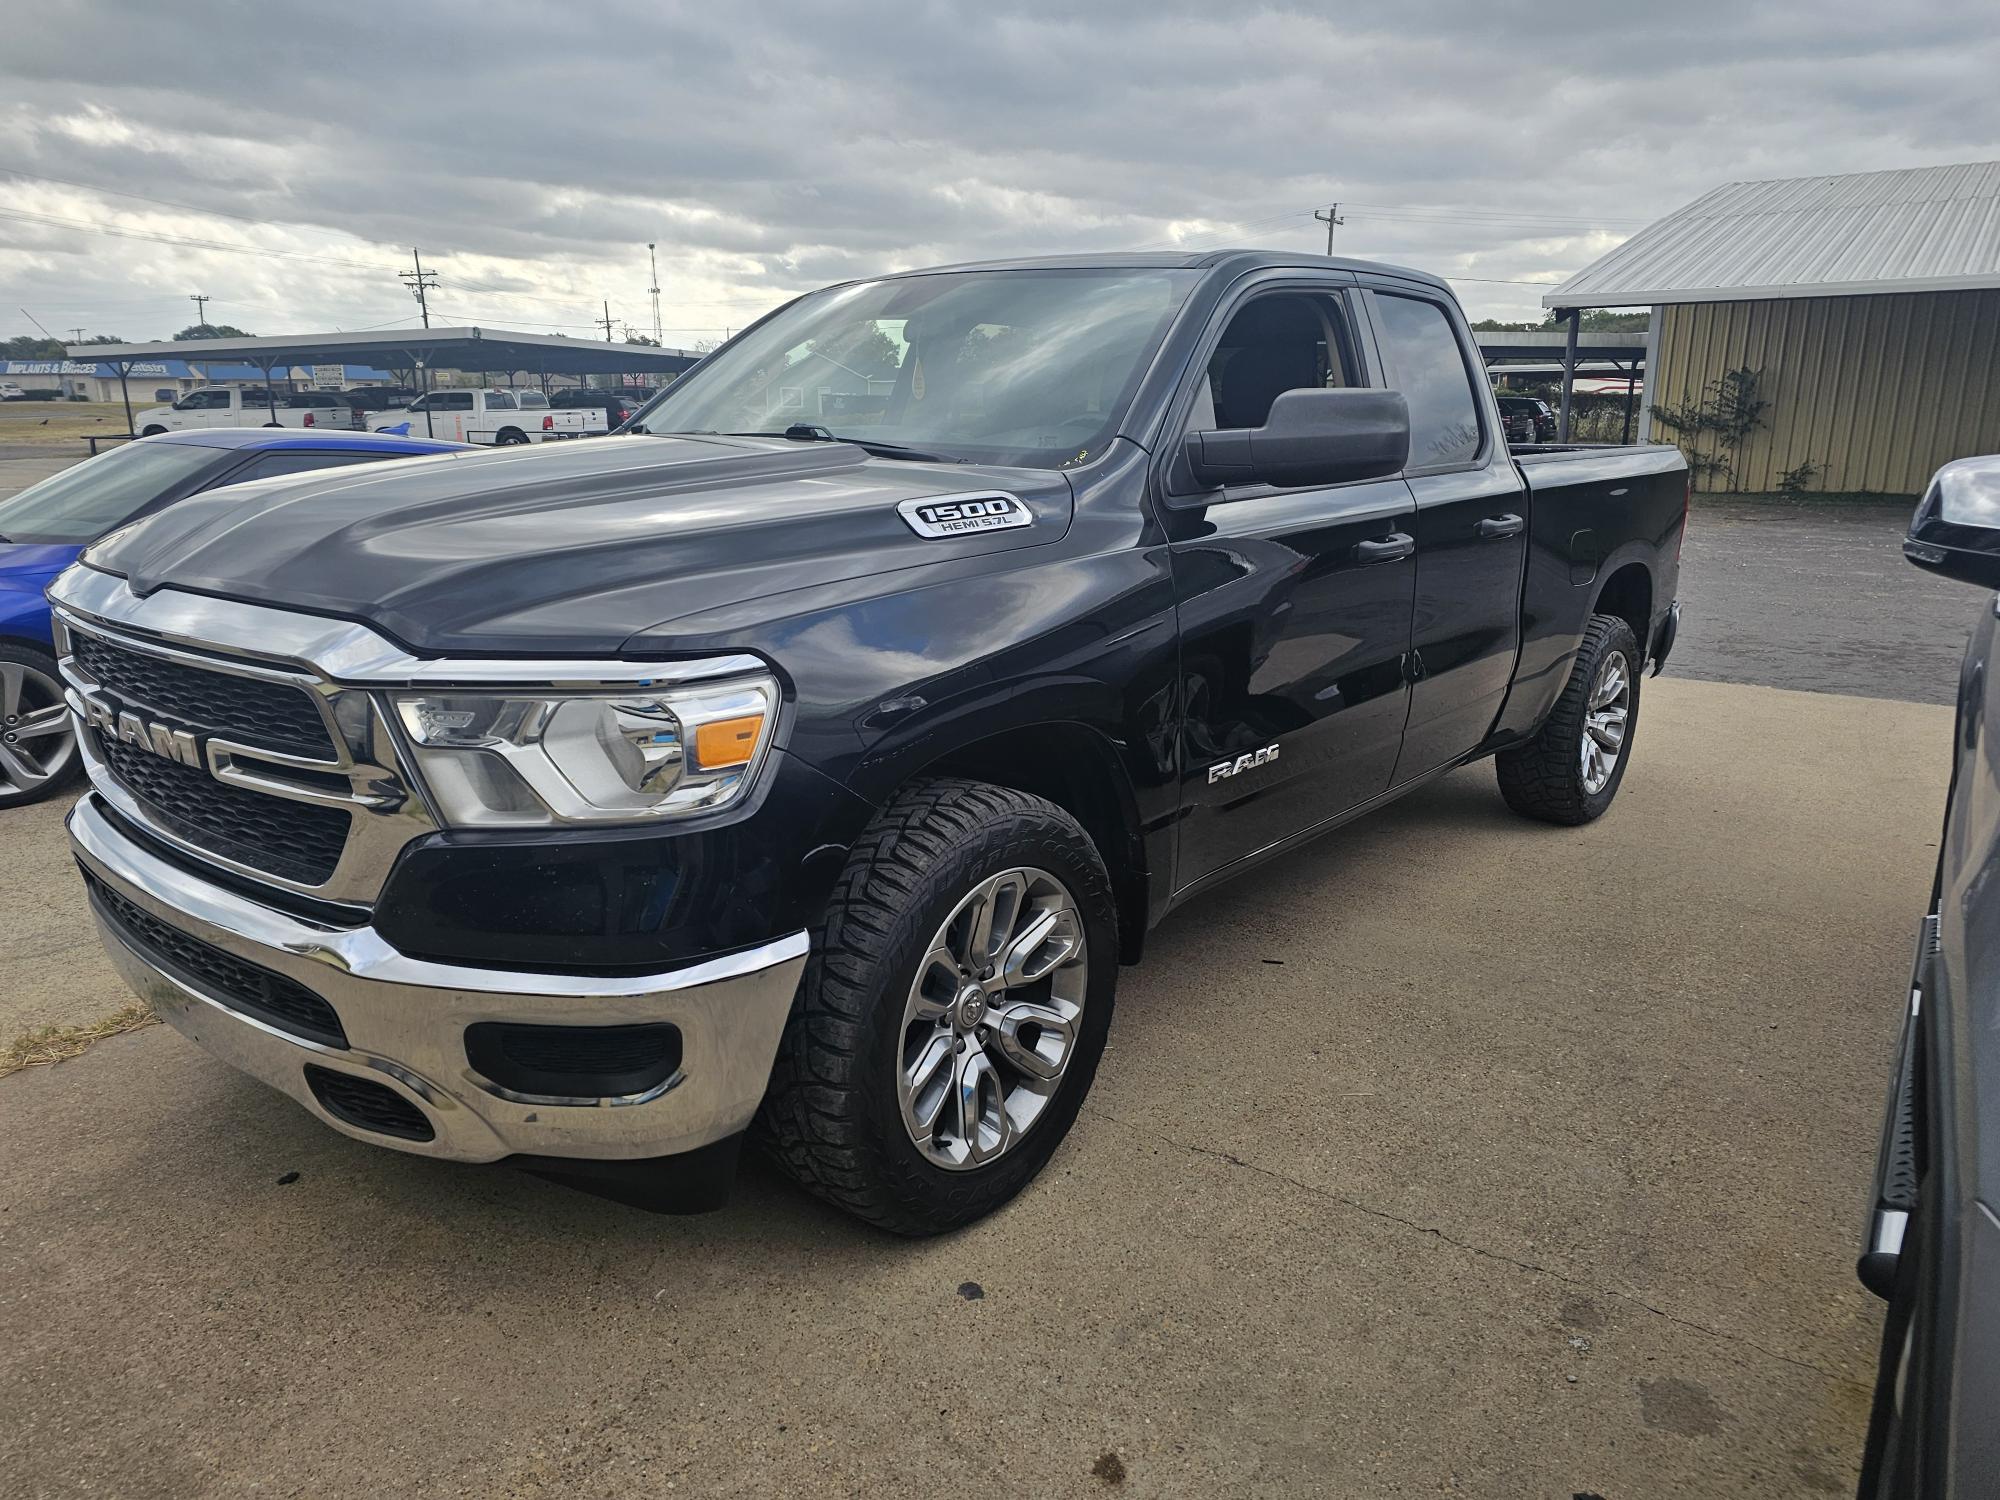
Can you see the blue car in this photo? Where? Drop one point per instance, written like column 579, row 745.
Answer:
column 45, row 527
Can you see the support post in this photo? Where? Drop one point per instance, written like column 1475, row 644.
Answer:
column 124, row 369
column 1646, row 383
column 1631, row 399
column 1569, row 374
column 270, row 396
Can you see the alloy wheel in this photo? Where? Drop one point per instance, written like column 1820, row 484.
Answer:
column 991, row 1021
column 37, row 741
column 1604, row 722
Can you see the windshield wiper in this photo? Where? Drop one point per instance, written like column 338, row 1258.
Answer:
column 812, row 432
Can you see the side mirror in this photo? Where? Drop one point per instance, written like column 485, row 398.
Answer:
column 1956, row 530
column 1310, row 437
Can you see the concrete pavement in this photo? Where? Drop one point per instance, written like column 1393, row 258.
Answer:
column 1454, row 1155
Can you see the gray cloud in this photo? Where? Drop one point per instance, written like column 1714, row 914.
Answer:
column 533, row 151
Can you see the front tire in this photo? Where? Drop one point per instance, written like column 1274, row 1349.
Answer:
column 38, row 754
column 1569, row 772
column 953, row 1012
column 154, row 431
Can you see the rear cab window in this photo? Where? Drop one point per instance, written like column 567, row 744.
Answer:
column 1425, row 362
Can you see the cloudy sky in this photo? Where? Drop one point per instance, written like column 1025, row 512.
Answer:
column 284, row 161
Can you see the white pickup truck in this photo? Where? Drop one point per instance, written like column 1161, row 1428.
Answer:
column 504, row 418
column 232, row 406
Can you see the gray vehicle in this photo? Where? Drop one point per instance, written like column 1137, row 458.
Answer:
column 1933, row 1243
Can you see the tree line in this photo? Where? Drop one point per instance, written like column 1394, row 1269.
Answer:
column 28, row 346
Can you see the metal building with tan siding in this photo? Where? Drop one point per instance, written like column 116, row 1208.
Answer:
column 1868, row 305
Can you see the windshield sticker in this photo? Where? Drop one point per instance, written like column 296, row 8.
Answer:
column 955, row 515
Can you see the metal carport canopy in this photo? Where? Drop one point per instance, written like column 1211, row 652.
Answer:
column 463, row 349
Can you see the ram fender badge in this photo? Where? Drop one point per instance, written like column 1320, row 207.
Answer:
column 1242, row 763
column 943, row 516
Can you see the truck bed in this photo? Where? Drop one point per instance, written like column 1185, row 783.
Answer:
column 1595, row 509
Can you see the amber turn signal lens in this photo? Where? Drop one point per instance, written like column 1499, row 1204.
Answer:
column 726, row 742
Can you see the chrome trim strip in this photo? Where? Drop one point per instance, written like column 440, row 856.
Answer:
column 593, row 1101
column 338, row 650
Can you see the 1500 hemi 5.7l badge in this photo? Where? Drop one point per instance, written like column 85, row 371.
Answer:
column 955, row 515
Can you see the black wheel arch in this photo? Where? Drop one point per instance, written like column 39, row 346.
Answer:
column 1627, row 592
column 1073, row 764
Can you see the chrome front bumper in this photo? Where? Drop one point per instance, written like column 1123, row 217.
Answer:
column 405, row 1020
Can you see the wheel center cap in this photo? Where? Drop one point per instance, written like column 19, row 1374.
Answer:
column 971, row 1006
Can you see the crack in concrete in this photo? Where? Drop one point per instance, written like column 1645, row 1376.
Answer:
column 1482, row 1251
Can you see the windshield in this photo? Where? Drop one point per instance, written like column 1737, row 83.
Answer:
column 80, row 504
column 1008, row 367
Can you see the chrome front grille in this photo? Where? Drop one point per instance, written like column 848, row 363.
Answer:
column 277, row 715
column 299, row 841
column 254, row 762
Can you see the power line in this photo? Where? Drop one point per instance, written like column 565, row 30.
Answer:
column 1442, row 214
column 91, row 187
column 189, row 241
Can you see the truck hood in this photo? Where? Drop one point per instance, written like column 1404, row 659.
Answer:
column 566, row 548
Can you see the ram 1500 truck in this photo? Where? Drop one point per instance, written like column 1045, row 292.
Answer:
column 604, row 803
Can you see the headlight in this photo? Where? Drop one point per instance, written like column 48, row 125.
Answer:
column 519, row 758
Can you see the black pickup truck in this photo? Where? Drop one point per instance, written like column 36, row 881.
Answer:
column 810, row 777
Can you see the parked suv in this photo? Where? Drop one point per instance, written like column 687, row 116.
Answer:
column 1535, row 412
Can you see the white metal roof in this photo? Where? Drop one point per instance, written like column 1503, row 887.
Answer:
column 1921, row 229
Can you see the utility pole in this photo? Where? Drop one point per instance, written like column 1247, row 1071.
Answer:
column 420, row 282
column 200, row 308
column 659, row 333
column 1332, row 219
column 76, row 335
column 605, row 322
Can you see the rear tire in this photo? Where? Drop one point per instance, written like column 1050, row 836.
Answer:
column 510, row 438
column 850, row 1089
column 1569, row 772
column 38, row 754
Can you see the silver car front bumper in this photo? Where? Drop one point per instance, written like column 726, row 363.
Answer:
column 405, row 1020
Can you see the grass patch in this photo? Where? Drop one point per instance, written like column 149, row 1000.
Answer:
column 60, row 421
column 54, row 1044
column 1808, row 501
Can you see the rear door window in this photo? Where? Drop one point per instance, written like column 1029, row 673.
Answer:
column 1425, row 363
